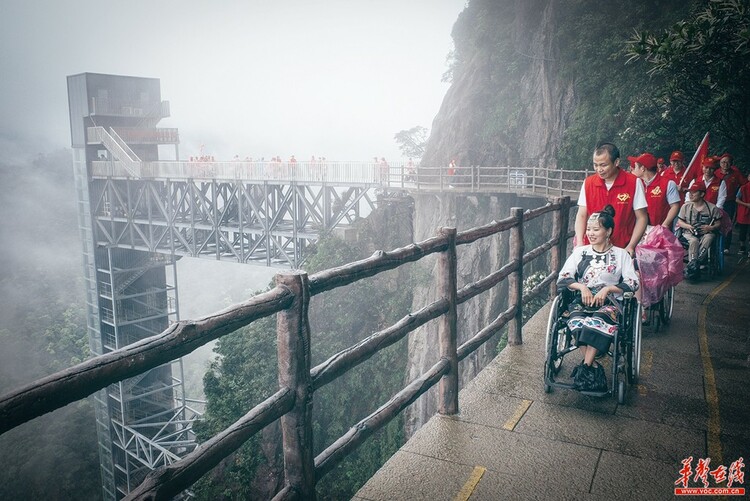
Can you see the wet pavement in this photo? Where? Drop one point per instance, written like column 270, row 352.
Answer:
column 512, row 440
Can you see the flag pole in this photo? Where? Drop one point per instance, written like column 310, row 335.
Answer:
column 695, row 156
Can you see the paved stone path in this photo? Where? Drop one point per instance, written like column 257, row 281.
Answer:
column 513, row 441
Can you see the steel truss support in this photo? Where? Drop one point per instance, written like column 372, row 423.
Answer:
column 263, row 223
column 149, row 419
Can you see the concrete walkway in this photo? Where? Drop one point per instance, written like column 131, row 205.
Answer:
column 513, row 441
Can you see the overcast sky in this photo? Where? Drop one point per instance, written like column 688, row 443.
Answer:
column 336, row 78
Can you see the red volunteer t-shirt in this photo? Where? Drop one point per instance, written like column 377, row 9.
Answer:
column 620, row 196
column 743, row 213
column 656, row 198
column 712, row 190
column 669, row 173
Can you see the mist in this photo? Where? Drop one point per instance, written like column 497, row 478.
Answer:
column 335, row 79
column 253, row 79
column 42, row 304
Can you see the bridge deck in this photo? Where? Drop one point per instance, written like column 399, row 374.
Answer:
column 526, row 444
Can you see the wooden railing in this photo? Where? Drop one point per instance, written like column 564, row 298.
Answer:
column 298, row 381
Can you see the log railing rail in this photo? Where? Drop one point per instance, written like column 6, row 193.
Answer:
column 292, row 402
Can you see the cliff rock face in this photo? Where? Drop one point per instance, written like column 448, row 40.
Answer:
column 475, row 261
column 507, row 103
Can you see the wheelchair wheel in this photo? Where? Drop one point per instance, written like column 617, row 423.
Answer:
column 634, row 347
column 653, row 316
column 558, row 339
column 621, row 392
column 550, row 367
column 716, row 257
column 551, row 322
column 666, row 306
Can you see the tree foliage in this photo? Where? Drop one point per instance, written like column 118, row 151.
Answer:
column 702, row 63
column 412, row 141
column 615, row 102
column 686, row 80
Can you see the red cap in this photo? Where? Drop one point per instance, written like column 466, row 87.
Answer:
column 709, row 161
column 646, row 159
column 698, row 187
column 660, row 160
column 676, row 155
column 726, row 155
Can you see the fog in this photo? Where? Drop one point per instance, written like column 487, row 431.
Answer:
column 335, row 79
column 327, row 78
column 249, row 78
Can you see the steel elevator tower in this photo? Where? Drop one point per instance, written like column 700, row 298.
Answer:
column 138, row 214
column 144, row 422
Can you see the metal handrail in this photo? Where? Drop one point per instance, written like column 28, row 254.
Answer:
column 532, row 180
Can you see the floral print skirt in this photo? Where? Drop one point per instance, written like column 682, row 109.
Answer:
column 592, row 325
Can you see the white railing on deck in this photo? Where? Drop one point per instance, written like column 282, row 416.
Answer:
column 157, row 135
column 538, row 180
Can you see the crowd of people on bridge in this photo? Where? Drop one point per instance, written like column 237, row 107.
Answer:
column 621, row 212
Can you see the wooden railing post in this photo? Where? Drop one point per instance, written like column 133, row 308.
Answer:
column 447, row 326
column 293, row 346
column 515, row 279
column 559, row 229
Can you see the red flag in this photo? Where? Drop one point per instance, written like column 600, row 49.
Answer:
column 693, row 170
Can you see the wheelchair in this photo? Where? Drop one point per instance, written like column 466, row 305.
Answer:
column 716, row 257
column 625, row 350
column 660, row 314
column 714, row 266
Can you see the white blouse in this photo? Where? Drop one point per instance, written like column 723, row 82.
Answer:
column 598, row 269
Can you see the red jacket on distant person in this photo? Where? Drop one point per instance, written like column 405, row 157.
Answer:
column 743, row 213
column 733, row 180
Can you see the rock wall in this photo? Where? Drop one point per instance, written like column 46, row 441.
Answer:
column 549, row 100
column 475, row 261
column 507, row 103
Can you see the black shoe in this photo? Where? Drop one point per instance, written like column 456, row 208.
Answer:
column 576, row 370
column 600, row 378
column 692, row 270
column 584, row 380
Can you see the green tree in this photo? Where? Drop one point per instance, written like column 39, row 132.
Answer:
column 616, row 102
column 412, row 141
column 703, row 65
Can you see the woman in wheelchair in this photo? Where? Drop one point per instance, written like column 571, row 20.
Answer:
column 601, row 273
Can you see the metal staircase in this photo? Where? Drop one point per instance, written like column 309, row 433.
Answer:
column 99, row 135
